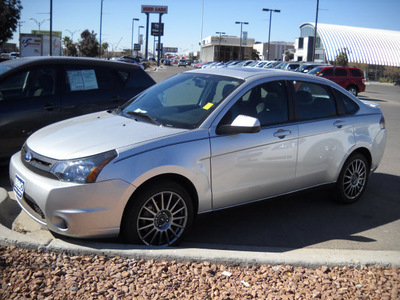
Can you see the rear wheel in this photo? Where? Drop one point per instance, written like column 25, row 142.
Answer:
column 158, row 216
column 353, row 179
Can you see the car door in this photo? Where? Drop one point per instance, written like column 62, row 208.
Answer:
column 341, row 77
column 89, row 89
column 29, row 100
column 325, row 136
column 253, row 166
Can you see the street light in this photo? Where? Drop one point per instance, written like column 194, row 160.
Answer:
column 101, row 22
column 38, row 23
column 133, row 21
column 270, row 18
column 140, row 45
column 219, row 47
column 72, row 33
column 241, row 32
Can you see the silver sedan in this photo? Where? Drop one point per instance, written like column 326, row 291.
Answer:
column 200, row 141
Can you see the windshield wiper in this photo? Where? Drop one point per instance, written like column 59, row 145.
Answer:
column 144, row 116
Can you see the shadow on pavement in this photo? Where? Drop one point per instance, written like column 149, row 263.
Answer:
column 302, row 220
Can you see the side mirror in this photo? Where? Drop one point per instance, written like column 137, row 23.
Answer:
column 241, row 124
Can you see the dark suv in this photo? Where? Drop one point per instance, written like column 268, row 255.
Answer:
column 347, row 77
column 37, row 91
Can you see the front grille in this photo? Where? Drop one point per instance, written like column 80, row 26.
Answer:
column 35, row 208
column 38, row 164
column 32, row 209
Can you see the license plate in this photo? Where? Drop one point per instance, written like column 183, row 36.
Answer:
column 19, row 186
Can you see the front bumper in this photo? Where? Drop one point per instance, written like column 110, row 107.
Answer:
column 72, row 209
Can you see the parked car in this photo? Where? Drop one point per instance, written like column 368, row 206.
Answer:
column 306, row 67
column 167, row 62
column 349, row 78
column 182, row 62
column 37, row 91
column 199, row 141
column 291, row 66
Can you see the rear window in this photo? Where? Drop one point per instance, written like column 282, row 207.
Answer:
column 350, row 106
column 356, row 72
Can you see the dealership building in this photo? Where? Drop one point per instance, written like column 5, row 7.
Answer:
column 225, row 48
column 362, row 45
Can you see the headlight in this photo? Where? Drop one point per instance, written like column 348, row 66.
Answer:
column 83, row 169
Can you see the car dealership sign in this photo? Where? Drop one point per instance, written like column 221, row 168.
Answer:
column 154, row 9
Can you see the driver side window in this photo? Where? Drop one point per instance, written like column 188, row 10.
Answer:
column 267, row 102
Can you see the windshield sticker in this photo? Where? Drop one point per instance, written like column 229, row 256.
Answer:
column 82, row 80
column 208, row 106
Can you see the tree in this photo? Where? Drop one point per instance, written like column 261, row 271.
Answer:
column 89, row 46
column 254, row 54
column 104, row 47
column 289, row 55
column 10, row 13
column 341, row 59
column 70, row 47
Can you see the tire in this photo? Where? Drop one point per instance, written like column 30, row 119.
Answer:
column 160, row 215
column 352, row 180
column 352, row 89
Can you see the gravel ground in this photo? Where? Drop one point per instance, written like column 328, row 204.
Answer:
column 29, row 274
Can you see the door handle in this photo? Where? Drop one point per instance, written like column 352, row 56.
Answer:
column 281, row 133
column 49, row 106
column 338, row 123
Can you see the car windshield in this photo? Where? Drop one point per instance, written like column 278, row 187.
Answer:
column 315, row 71
column 182, row 101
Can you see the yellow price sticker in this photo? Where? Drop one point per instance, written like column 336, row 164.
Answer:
column 208, row 106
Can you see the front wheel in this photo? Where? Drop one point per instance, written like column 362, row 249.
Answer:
column 352, row 89
column 353, row 179
column 158, row 216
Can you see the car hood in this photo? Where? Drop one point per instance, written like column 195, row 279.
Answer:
column 92, row 134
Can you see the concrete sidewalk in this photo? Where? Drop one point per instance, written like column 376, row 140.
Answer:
column 17, row 228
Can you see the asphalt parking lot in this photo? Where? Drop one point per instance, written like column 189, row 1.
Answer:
column 310, row 220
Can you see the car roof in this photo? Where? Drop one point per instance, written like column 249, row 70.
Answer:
column 247, row 73
column 254, row 74
column 37, row 60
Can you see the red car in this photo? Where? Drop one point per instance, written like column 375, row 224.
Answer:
column 349, row 78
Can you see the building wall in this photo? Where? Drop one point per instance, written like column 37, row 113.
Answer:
column 228, row 48
column 277, row 50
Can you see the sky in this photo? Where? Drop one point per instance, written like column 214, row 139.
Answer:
column 185, row 24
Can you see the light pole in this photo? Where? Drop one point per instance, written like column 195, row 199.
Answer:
column 270, row 19
column 138, row 37
column 72, row 33
column 101, row 21
column 315, row 32
column 241, row 32
column 133, row 22
column 219, row 47
column 37, row 22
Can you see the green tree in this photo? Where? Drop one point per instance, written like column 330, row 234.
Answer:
column 342, row 59
column 104, row 47
column 289, row 55
column 254, row 54
column 10, row 13
column 89, row 46
column 70, row 47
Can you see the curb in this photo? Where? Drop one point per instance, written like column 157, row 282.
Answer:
column 190, row 252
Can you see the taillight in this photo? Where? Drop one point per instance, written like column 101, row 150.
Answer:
column 363, row 80
column 382, row 122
